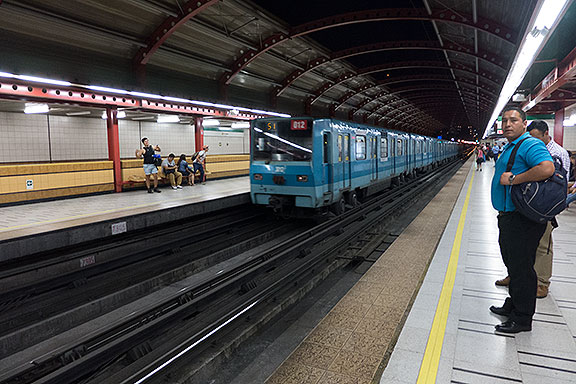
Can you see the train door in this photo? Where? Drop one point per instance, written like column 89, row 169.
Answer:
column 327, row 171
column 347, row 174
column 374, row 158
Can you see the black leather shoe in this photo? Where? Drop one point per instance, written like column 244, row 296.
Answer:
column 512, row 327
column 499, row 311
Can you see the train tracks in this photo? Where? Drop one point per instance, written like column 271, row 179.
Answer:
column 162, row 332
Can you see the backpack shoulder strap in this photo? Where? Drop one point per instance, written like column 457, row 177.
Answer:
column 513, row 155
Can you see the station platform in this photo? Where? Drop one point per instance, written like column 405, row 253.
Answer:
column 421, row 312
column 38, row 227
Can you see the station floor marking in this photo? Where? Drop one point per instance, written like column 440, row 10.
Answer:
column 97, row 213
column 431, row 360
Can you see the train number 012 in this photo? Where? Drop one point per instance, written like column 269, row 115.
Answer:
column 299, row 125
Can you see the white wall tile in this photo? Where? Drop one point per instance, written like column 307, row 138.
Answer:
column 224, row 143
column 129, row 132
column 171, row 137
column 78, row 138
column 23, row 137
column 570, row 138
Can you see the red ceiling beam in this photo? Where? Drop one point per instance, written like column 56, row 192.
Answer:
column 28, row 91
column 388, row 46
column 561, row 75
column 488, row 26
column 168, row 27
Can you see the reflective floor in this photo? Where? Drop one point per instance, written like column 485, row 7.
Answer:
column 468, row 349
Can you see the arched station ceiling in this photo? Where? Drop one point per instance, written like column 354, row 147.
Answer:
column 418, row 65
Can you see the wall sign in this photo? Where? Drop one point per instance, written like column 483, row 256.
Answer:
column 29, row 184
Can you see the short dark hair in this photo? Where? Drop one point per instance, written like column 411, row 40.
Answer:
column 539, row 125
column 171, row 155
column 514, row 108
column 144, row 139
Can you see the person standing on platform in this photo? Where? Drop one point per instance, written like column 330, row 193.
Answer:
column 147, row 152
column 545, row 252
column 200, row 163
column 519, row 236
column 171, row 172
column 495, row 153
column 479, row 158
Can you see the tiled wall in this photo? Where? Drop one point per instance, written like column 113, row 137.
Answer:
column 39, row 137
column 129, row 132
column 23, row 138
column 77, row 138
column 570, row 138
column 171, row 137
column 226, row 143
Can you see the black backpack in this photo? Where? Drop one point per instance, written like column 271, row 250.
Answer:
column 194, row 156
column 540, row 201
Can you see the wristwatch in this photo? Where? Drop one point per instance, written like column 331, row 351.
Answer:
column 511, row 178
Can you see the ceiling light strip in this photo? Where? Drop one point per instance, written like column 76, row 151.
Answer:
column 543, row 22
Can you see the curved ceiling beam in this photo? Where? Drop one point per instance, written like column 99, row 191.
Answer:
column 395, row 80
column 434, row 95
column 393, row 66
column 389, row 46
column 500, row 31
column 168, row 27
column 442, row 96
column 420, row 88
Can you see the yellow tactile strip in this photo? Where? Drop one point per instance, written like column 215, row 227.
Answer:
column 351, row 345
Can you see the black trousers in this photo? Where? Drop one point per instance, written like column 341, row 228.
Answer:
column 519, row 238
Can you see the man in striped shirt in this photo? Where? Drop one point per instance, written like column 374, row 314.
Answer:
column 544, row 254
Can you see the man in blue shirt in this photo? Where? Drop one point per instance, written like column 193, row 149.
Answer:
column 519, row 236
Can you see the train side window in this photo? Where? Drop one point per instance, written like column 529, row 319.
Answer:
column 347, row 148
column 399, row 148
column 360, row 147
column 384, row 147
column 339, row 148
column 326, row 147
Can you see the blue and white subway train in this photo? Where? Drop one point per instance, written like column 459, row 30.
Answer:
column 313, row 164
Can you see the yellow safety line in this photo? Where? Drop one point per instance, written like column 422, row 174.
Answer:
column 431, row 360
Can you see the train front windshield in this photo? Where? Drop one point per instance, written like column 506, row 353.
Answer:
column 282, row 140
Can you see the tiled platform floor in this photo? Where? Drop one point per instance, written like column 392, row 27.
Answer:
column 21, row 220
column 472, row 352
column 349, row 344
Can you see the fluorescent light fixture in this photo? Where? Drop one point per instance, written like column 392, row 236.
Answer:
column 241, row 124
column 106, row 89
column 35, row 79
column 210, row 123
column 233, row 109
column 540, row 30
column 144, row 118
column 224, row 129
column 168, row 119
column 36, row 108
column 79, row 113
column 119, row 115
column 145, row 95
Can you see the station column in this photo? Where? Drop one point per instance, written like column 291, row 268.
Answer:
column 559, row 126
column 198, row 133
column 114, row 146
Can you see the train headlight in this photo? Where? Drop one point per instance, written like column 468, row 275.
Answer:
column 257, row 176
column 302, row 178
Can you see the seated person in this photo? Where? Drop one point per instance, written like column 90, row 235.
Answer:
column 185, row 169
column 170, row 170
